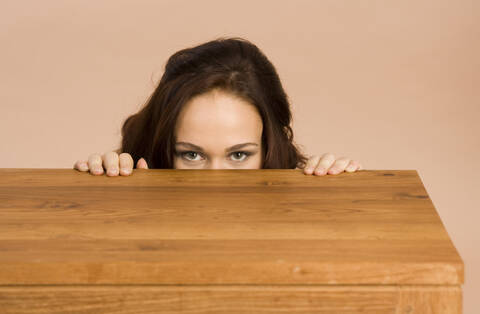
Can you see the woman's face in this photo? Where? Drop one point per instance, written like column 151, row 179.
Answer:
column 210, row 129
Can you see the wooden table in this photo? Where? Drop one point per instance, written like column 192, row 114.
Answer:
column 223, row 241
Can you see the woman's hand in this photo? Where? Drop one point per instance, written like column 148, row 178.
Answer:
column 113, row 163
column 326, row 164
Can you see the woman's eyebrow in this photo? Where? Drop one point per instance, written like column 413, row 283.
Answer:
column 234, row 147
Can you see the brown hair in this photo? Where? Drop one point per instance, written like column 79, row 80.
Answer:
column 231, row 64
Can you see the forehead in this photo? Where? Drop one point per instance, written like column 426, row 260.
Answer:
column 218, row 116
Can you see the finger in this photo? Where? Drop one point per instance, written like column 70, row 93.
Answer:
column 311, row 163
column 352, row 166
column 110, row 163
column 95, row 164
column 81, row 166
column 142, row 164
column 339, row 165
column 126, row 164
column 324, row 164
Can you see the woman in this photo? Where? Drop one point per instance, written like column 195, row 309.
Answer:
column 220, row 99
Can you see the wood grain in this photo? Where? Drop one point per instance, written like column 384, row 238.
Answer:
column 245, row 239
column 231, row 299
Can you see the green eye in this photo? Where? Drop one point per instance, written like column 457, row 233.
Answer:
column 183, row 154
column 187, row 154
column 246, row 154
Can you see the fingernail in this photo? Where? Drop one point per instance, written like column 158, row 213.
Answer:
column 319, row 170
column 333, row 171
column 125, row 170
column 112, row 172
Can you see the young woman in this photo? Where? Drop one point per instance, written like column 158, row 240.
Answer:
column 219, row 105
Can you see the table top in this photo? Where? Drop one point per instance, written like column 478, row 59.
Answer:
column 185, row 226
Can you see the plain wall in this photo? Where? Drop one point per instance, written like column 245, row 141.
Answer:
column 392, row 84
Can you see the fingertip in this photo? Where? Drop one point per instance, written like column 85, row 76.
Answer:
column 350, row 168
column 335, row 170
column 112, row 172
column 142, row 164
column 97, row 171
column 125, row 171
column 81, row 166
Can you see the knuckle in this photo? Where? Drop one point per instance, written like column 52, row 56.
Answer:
column 110, row 155
column 110, row 158
column 94, row 159
column 93, row 156
column 125, row 157
column 328, row 156
column 313, row 160
column 342, row 162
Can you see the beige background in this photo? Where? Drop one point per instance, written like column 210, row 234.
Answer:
column 393, row 84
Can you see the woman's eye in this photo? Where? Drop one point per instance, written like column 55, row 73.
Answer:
column 246, row 154
column 189, row 153
column 191, row 156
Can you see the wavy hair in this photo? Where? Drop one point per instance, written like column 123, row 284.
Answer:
column 232, row 64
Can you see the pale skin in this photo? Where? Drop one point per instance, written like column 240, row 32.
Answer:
column 209, row 133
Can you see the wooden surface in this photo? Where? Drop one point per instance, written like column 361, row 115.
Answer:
column 295, row 237
column 231, row 299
